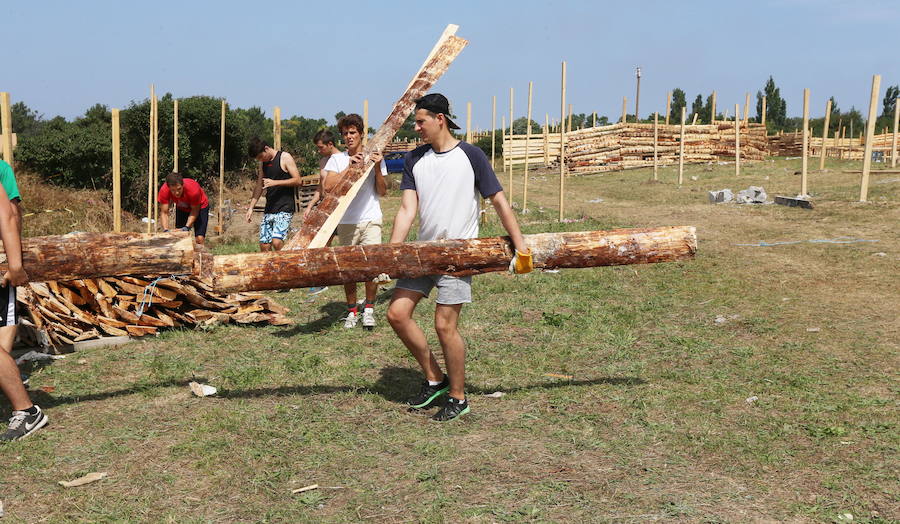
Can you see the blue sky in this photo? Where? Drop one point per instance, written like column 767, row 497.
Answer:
column 317, row 58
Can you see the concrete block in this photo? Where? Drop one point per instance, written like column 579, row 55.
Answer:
column 752, row 195
column 721, row 196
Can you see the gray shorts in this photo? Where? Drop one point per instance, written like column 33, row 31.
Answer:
column 451, row 290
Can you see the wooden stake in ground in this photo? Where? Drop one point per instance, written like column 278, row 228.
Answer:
column 763, row 119
column 569, row 125
column 624, row 109
column 155, row 162
column 503, row 137
column 712, row 112
column 737, row 140
column 276, row 128
column 825, row 135
column 746, row 109
column 469, row 122
column 870, row 134
column 527, row 144
column 175, row 135
column 340, row 265
column 365, row 137
column 681, row 149
column 637, row 97
column 116, row 173
column 594, row 117
column 150, row 165
column 493, row 126
column 562, row 147
column 805, row 152
column 318, row 226
column 546, row 139
column 221, row 226
column 694, row 121
column 6, row 116
column 668, row 105
column 894, row 138
column 510, row 187
column 655, row 147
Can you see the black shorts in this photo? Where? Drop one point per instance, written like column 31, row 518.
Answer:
column 8, row 315
column 199, row 224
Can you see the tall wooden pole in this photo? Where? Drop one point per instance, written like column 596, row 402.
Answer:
column 870, row 134
column 737, row 139
column 594, row 122
column 365, row 138
column 511, row 98
column 805, row 154
column 681, row 149
column 469, row 122
column 503, row 137
column 894, row 139
column 493, row 126
column 624, row 109
column 712, row 112
column 546, row 139
column 655, row 141
column 155, row 161
column 825, row 134
column 569, row 126
column 747, row 109
column 116, row 173
column 175, row 136
column 276, row 128
column 562, row 146
column 763, row 122
column 527, row 151
column 221, row 226
column 637, row 98
column 6, row 115
column 150, row 164
column 668, row 105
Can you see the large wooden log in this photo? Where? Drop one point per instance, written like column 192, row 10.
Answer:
column 323, row 219
column 339, row 265
column 90, row 255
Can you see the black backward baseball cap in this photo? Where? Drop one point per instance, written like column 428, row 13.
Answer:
column 436, row 103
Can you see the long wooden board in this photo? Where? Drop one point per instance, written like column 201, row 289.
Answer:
column 340, row 265
column 321, row 222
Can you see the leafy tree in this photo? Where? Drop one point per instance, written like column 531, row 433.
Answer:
column 25, row 121
column 697, row 107
column 521, row 123
column 678, row 102
column 890, row 98
column 776, row 107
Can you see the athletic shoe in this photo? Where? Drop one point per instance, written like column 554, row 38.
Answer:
column 22, row 424
column 368, row 318
column 317, row 290
column 429, row 393
column 351, row 319
column 455, row 408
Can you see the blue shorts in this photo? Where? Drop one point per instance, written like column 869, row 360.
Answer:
column 274, row 225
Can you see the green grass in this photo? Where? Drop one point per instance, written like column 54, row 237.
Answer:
column 653, row 424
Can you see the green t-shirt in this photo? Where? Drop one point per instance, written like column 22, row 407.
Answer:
column 8, row 179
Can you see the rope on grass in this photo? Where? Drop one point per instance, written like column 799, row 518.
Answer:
column 838, row 240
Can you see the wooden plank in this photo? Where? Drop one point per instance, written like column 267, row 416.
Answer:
column 338, row 265
column 870, row 132
column 793, row 202
column 139, row 331
column 318, row 226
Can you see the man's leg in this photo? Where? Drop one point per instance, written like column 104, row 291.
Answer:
column 265, row 247
column 399, row 315
column 11, row 383
column 446, row 319
column 7, row 337
column 276, row 244
column 371, row 292
column 350, row 293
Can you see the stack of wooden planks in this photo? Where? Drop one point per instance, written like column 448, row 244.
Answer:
column 629, row 146
column 62, row 313
column 401, row 146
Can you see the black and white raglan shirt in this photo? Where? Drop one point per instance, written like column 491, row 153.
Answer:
column 448, row 185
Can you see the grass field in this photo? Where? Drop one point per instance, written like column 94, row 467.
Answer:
column 786, row 408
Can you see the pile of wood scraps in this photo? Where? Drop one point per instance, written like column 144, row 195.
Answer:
column 62, row 313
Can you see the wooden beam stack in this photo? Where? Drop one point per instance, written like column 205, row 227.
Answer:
column 62, row 313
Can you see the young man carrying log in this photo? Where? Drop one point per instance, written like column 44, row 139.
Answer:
column 324, row 142
column 278, row 175
column 26, row 417
column 361, row 223
column 442, row 182
column 191, row 205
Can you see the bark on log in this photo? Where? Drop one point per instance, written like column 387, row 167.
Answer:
column 90, row 255
column 339, row 265
column 323, row 219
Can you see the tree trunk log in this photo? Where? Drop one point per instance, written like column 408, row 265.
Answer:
column 323, row 219
column 90, row 255
column 340, row 265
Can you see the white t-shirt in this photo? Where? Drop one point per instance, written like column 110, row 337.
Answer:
column 365, row 206
column 448, row 185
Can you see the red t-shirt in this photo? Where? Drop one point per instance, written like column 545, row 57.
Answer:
column 192, row 195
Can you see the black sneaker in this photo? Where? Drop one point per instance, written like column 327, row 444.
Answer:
column 22, row 424
column 429, row 393
column 454, row 408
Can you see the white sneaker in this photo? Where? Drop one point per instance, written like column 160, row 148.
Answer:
column 368, row 318
column 350, row 320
